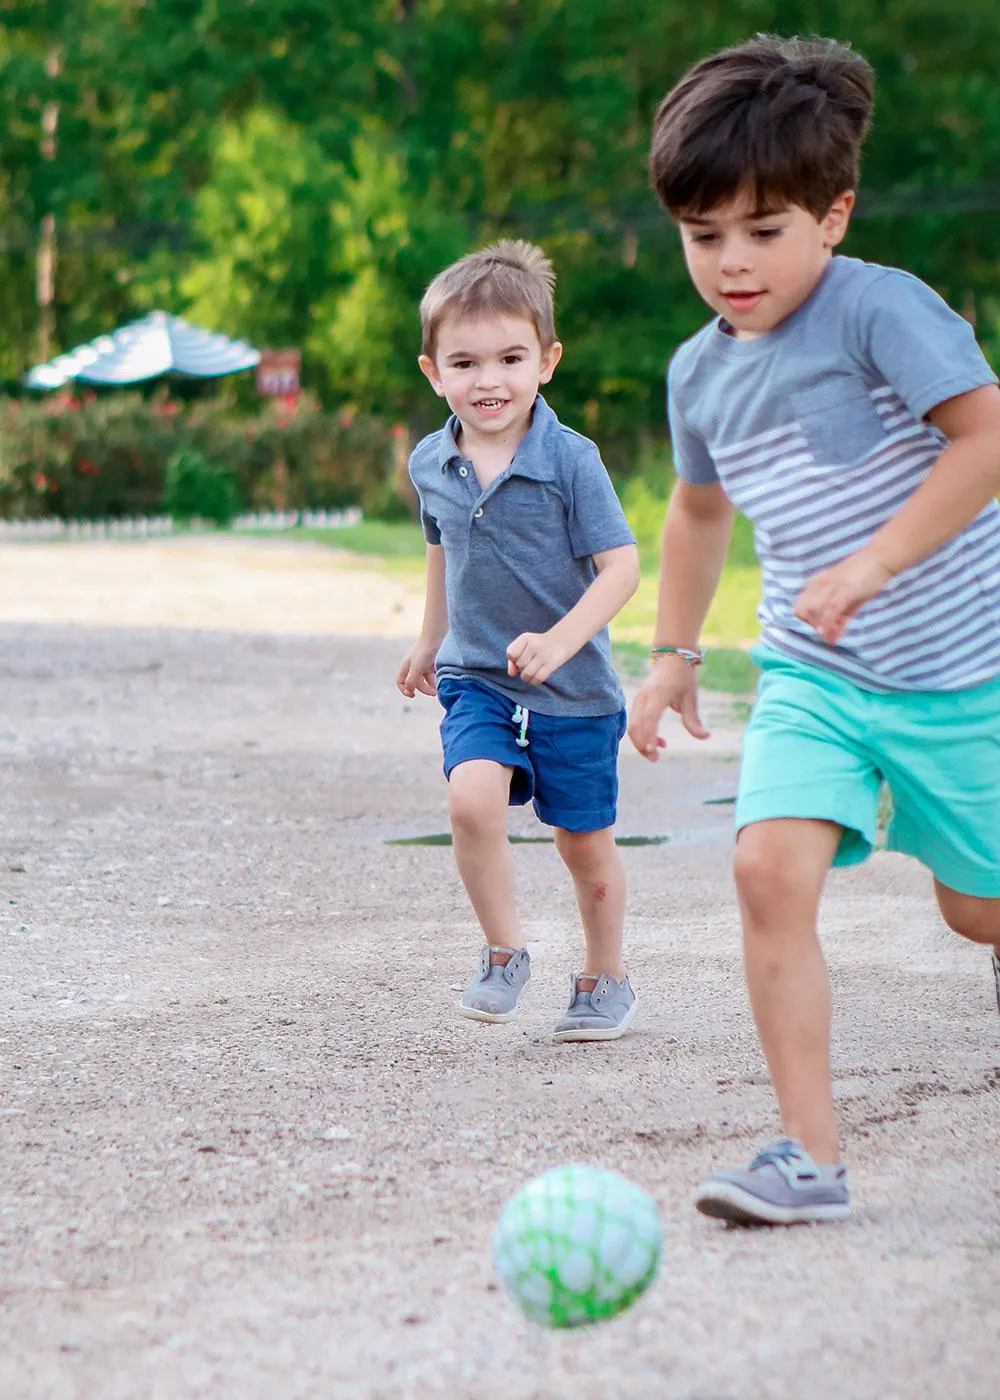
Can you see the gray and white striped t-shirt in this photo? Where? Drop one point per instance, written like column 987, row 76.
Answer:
column 817, row 432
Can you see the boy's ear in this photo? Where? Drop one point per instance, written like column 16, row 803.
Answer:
column 429, row 369
column 837, row 217
column 550, row 358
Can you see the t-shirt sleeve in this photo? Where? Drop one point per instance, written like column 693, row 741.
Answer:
column 595, row 518
column 914, row 341
column 430, row 527
column 692, row 461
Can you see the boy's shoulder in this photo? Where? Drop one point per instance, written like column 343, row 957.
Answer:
column 850, row 293
column 687, row 355
column 566, row 442
column 427, row 452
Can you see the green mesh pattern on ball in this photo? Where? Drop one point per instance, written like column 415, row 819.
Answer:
column 577, row 1245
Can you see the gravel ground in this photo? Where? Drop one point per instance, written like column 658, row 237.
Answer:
column 248, row 1149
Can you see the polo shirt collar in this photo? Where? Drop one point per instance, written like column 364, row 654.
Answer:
column 533, row 459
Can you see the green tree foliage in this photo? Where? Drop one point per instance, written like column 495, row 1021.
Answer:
column 262, row 229
column 295, row 170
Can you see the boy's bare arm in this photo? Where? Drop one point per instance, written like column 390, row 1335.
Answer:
column 963, row 480
column 535, row 655
column 696, row 537
column 417, row 671
column 695, row 542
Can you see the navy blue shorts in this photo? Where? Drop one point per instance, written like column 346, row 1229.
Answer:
column 568, row 768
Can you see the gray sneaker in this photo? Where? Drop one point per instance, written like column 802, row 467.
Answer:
column 781, row 1186
column 601, row 1014
column 492, row 995
column 996, row 974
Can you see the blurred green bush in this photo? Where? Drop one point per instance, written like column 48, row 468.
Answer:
column 107, row 455
column 196, row 489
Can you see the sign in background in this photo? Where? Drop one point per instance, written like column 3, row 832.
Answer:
column 278, row 372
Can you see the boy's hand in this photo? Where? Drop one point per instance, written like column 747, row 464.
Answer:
column 671, row 685
column 535, row 655
column 831, row 598
column 417, row 672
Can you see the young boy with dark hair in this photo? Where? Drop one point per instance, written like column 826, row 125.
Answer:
column 849, row 413
column 529, row 556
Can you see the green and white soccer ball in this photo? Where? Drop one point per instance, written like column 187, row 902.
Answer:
column 576, row 1245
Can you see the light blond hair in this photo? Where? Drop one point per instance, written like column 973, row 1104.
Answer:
column 509, row 278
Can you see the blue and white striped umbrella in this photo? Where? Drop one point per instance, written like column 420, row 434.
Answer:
column 156, row 344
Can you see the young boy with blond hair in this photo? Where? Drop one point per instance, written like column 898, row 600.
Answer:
column 529, row 556
column 849, row 413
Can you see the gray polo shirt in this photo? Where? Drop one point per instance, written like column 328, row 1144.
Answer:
column 519, row 555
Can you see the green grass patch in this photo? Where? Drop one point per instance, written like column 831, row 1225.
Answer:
column 397, row 549
column 383, row 539
column 732, row 618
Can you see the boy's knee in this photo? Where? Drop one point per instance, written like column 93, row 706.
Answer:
column 768, row 876
column 975, row 919
column 756, row 871
column 582, row 848
column 473, row 809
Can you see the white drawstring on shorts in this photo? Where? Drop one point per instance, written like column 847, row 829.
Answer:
column 520, row 716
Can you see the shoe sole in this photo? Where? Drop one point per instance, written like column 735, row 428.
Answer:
column 472, row 1013
column 726, row 1202
column 612, row 1033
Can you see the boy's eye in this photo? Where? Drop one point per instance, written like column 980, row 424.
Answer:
column 512, row 359
column 461, row 364
column 767, row 233
column 703, row 239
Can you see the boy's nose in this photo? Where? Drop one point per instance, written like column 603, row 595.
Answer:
column 737, row 257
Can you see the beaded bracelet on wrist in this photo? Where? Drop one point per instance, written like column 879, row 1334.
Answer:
column 690, row 658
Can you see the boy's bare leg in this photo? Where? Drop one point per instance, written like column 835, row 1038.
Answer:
column 477, row 797
column 593, row 860
column 976, row 919
column 780, row 870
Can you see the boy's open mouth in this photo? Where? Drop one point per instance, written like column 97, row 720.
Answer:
column 742, row 301
column 490, row 405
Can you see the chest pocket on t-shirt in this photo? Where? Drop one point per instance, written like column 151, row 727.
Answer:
column 530, row 519
column 839, row 422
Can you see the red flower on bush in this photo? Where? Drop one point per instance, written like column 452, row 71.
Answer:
column 40, row 481
column 346, row 418
column 86, row 468
column 398, row 431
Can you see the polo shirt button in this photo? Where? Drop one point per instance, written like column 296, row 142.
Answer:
column 478, row 512
column 463, row 471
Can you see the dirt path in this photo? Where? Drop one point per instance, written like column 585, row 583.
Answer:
column 247, row 1149
column 212, row 581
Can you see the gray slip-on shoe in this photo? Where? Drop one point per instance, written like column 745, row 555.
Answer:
column 603, row 1013
column 781, row 1186
column 492, row 994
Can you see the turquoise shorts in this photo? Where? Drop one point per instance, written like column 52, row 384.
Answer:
column 819, row 747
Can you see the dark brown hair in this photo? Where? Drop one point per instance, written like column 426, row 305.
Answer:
column 781, row 118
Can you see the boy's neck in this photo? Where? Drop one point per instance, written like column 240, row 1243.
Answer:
column 493, row 452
